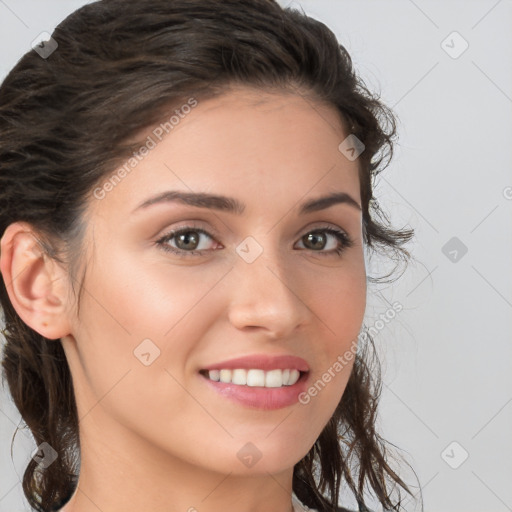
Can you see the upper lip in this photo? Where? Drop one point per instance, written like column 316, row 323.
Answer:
column 263, row 362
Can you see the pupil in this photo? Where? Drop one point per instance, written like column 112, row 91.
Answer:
column 315, row 238
column 186, row 238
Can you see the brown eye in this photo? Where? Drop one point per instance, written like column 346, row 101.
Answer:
column 314, row 240
column 186, row 241
column 318, row 240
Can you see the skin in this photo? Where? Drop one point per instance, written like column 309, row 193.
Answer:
column 157, row 437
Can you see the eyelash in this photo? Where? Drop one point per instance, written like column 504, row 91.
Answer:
column 346, row 241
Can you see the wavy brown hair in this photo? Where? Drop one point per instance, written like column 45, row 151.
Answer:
column 68, row 120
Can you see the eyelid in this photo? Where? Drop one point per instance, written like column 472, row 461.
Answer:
column 192, row 224
column 320, row 225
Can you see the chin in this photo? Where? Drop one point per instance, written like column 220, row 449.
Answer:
column 253, row 459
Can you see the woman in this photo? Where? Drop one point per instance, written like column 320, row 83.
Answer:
column 186, row 202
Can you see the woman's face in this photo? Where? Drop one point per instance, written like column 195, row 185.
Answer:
column 262, row 279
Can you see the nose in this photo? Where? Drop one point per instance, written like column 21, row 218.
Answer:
column 265, row 296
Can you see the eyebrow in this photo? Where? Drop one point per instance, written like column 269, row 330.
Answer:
column 232, row 205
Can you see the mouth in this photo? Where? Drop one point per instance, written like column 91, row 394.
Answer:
column 258, row 381
column 256, row 377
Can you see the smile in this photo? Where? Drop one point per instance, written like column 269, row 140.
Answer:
column 258, row 381
column 254, row 377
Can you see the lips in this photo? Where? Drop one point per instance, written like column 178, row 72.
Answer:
column 260, row 381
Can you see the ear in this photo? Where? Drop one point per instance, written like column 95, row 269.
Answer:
column 37, row 285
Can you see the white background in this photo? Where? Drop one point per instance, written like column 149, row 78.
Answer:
column 447, row 355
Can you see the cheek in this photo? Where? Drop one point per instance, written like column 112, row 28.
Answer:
column 136, row 301
column 339, row 302
column 140, row 325
column 132, row 315
column 338, row 298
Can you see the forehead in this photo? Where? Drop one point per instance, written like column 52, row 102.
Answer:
column 245, row 143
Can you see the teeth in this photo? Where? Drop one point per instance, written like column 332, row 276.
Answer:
column 274, row 379
column 225, row 375
column 255, row 377
column 293, row 377
column 261, row 378
column 239, row 377
column 214, row 375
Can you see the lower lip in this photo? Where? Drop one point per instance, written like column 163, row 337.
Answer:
column 260, row 397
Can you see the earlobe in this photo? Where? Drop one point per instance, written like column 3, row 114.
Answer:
column 36, row 284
